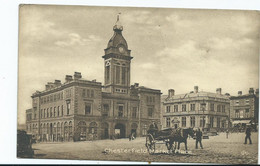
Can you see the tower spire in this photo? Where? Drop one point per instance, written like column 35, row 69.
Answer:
column 118, row 26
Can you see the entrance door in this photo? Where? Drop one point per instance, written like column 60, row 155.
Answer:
column 106, row 136
column 120, row 130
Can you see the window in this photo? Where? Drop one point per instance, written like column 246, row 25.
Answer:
column 247, row 102
column 183, row 107
column 68, row 107
column 83, row 93
column 117, row 74
column 168, row 122
column 105, row 110
column 41, row 113
column 192, row 121
column 147, row 99
column 150, row 112
column 183, row 121
column 236, row 113
column 44, row 113
column 92, row 93
column 54, row 97
column 218, row 108
column 58, row 111
column 48, row 112
column 48, row 98
column 168, row 108
column 35, row 116
column 44, row 100
column 88, row 93
column 51, row 98
column 211, row 121
column 120, row 111
column 61, row 110
column 107, row 74
column 202, row 121
column 237, row 102
column 223, row 108
column 134, row 112
column 247, row 113
column 211, row 107
column 61, row 95
column 117, row 90
column 175, row 108
column 54, row 112
column 123, row 75
column 87, row 108
column 218, row 122
column 192, row 107
column 58, row 96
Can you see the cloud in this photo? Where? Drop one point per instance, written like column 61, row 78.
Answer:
column 75, row 39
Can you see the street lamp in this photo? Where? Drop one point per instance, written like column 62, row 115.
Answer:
column 203, row 105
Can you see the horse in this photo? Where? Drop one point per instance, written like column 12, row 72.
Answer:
column 180, row 137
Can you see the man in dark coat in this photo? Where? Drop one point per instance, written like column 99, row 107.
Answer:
column 248, row 135
column 198, row 138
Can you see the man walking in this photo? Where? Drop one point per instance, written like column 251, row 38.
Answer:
column 248, row 135
column 198, row 138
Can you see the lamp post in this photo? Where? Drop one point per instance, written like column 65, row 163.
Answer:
column 203, row 105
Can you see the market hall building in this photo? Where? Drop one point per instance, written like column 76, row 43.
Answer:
column 80, row 109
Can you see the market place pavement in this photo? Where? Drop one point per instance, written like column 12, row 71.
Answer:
column 217, row 149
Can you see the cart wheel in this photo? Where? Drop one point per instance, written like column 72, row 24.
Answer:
column 150, row 144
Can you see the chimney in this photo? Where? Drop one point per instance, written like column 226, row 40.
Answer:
column 77, row 75
column 251, row 91
column 57, row 83
column 171, row 92
column 136, row 85
column 94, row 80
column 196, row 89
column 227, row 94
column 49, row 85
column 68, row 78
column 218, row 91
column 239, row 93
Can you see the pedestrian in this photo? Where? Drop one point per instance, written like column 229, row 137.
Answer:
column 130, row 137
column 198, row 138
column 248, row 135
column 227, row 133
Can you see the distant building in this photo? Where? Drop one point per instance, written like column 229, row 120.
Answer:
column 195, row 109
column 79, row 108
column 244, row 108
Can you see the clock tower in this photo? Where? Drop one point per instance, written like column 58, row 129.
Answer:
column 117, row 62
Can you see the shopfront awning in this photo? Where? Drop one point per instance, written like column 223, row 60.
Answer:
column 241, row 121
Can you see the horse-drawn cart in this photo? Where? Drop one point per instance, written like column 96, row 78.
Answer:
column 167, row 137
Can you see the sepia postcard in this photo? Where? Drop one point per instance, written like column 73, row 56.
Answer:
column 138, row 84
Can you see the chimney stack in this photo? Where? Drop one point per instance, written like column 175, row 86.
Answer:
column 251, row 91
column 77, row 75
column 227, row 94
column 49, row 85
column 196, row 89
column 136, row 85
column 171, row 92
column 68, row 78
column 57, row 82
column 218, row 90
column 239, row 93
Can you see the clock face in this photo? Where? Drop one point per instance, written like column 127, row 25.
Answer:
column 121, row 49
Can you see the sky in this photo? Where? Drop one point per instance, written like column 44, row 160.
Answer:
column 172, row 48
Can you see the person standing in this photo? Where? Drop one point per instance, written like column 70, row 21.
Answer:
column 248, row 135
column 227, row 132
column 198, row 138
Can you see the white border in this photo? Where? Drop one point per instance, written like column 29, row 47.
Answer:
column 9, row 66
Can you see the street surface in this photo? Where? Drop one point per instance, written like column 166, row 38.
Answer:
column 217, row 149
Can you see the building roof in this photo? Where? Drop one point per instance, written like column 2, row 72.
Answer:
column 193, row 95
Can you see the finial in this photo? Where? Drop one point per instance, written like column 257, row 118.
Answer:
column 118, row 16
